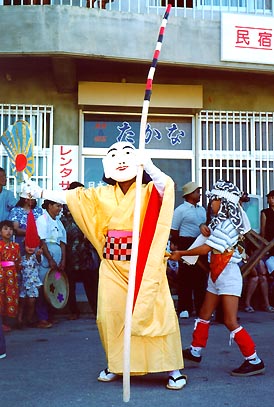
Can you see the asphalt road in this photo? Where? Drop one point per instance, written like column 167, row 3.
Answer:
column 58, row 367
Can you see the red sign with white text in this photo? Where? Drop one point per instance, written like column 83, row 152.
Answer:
column 65, row 166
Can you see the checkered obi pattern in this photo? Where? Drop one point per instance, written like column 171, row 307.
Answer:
column 118, row 248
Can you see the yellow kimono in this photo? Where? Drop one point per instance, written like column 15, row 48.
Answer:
column 155, row 342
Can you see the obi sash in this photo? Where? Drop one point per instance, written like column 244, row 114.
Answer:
column 118, row 245
column 218, row 262
column 7, row 263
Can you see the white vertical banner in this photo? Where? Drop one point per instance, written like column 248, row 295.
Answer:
column 65, row 166
column 247, row 38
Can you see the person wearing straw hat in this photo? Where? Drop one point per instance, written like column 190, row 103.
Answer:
column 229, row 223
column 191, row 279
column 105, row 215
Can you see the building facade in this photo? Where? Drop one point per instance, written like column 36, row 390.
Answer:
column 76, row 71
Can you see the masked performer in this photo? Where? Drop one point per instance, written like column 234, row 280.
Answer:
column 105, row 215
column 228, row 224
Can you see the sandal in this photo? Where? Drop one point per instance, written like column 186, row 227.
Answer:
column 269, row 309
column 107, row 376
column 249, row 309
column 176, row 384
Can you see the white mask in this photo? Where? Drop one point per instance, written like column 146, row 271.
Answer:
column 120, row 163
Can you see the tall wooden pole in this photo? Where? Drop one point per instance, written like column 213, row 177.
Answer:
column 137, row 210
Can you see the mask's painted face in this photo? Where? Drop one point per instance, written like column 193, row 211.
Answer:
column 120, row 163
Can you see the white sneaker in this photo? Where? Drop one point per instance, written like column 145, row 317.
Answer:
column 184, row 314
column 3, row 356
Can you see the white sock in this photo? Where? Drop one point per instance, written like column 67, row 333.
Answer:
column 254, row 359
column 175, row 374
column 195, row 350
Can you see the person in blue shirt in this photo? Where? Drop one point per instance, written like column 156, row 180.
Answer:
column 7, row 198
column 19, row 215
column 185, row 228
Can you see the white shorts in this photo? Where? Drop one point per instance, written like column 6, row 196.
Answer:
column 229, row 282
column 270, row 264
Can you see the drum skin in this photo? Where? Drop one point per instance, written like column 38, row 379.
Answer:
column 56, row 288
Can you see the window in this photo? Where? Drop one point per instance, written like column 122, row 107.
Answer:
column 169, row 140
column 102, row 131
column 238, row 146
column 234, row 5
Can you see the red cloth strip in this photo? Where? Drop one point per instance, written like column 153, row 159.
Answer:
column 147, row 234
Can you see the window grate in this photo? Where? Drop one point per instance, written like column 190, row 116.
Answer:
column 237, row 146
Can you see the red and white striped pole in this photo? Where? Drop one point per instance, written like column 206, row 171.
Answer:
column 136, row 221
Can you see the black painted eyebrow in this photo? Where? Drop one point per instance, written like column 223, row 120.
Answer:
column 128, row 147
column 112, row 149
column 115, row 149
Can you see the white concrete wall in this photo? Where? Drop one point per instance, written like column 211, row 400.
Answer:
column 93, row 33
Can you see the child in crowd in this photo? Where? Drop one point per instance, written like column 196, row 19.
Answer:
column 10, row 265
column 228, row 223
column 29, row 285
column 30, row 280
